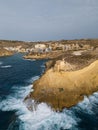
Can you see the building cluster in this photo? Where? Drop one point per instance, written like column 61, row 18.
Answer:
column 18, row 49
column 76, row 46
column 48, row 47
column 38, row 48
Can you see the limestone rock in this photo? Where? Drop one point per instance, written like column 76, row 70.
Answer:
column 61, row 65
column 65, row 89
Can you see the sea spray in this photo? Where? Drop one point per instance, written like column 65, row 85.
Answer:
column 83, row 116
column 6, row 66
column 32, row 79
column 43, row 117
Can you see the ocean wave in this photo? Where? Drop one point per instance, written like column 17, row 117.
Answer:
column 43, row 117
column 30, row 59
column 21, row 92
column 15, row 100
column 31, row 80
column 6, row 66
column 43, row 66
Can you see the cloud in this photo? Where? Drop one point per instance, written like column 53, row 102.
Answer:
column 48, row 19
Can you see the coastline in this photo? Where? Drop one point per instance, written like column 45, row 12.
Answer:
column 4, row 52
column 50, row 55
column 65, row 89
column 56, row 86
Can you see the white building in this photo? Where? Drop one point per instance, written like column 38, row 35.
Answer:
column 40, row 46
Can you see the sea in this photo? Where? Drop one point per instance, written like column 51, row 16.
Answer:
column 16, row 82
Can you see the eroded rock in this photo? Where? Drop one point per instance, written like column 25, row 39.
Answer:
column 65, row 89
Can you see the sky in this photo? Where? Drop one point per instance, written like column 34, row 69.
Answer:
column 43, row 20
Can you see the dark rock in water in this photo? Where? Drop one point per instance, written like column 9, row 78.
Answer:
column 30, row 104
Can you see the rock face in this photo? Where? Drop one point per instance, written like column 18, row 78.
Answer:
column 49, row 55
column 61, row 65
column 4, row 52
column 65, row 89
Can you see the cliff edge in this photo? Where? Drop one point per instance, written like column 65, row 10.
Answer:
column 4, row 52
column 61, row 89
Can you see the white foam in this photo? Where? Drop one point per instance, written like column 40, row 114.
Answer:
column 21, row 92
column 6, row 66
column 43, row 66
column 43, row 117
column 30, row 59
column 31, row 80
column 87, row 104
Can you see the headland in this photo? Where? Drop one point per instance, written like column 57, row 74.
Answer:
column 71, row 71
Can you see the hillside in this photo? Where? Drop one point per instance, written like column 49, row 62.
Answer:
column 65, row 89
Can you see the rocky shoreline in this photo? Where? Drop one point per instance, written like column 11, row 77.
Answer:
column 49, row 55
column 71, row 71
column 64, row 88
column 4, row 52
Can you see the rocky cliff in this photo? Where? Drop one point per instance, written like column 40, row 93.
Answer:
column 4, row 52
column 65, row 89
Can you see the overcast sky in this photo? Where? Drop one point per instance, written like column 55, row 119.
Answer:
column 36, row 20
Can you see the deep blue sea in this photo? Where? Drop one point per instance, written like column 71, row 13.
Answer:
column 16, row 78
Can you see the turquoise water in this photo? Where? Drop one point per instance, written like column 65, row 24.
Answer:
column 16, row 77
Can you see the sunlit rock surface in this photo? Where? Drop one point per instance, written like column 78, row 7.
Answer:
column 65, row 89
